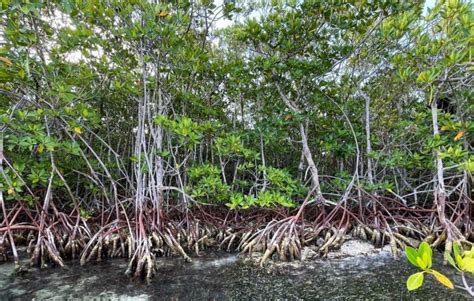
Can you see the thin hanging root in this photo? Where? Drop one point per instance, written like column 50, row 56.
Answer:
column 131, row 246
column 393, row 247
column 146, row 266
column 282, row 250
column 430, row 238
column 44, row 253
column 330, row 239
column 229, row 238
column 3, row 251
column 250, row 244
column 448, row 247
column 441, row 238
column 231, row 241
column 96, row 251
column 243, row 240
column 407, row 241
column 201, row 241
column 175, row 246
column 157, row 239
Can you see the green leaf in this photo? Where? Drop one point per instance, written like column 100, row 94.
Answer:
column 468, row 264
column 425, row 252
column 450, row 259
column 456, row 249
column 412, row 254
column 421, row 263
column 415, row 281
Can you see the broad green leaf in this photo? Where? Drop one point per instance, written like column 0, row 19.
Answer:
column 468, row 264
column 412, row 254
column 469, row 253
column 421, row 263
column 415, row 281
column 425, row 252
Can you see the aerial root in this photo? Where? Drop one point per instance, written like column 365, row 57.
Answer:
column 146, row 266
column 268, row 252
column 250, row 242
column 285, row 240
column 108, row 246
column 174, row 245
column 3, row 249
column 143, row 267
column 228, row 238
column 73, row 247
column 332, row 241
column 45, row 251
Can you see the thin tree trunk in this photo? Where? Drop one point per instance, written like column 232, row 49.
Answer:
column 315, row 186
column 262, row 151
column 370, row 172
column 440, row 189
column 16, row 258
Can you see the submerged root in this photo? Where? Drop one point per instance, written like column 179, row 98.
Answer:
column 142, row 267
column 175, row 246
column 73, row 248
column 45, row 251
column 285, row 240
column 3, row 249
column 108, row 246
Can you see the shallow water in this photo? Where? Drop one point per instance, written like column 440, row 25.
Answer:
column 221, row 276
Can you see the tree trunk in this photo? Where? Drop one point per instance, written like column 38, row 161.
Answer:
column 315, row 186
column 440, row 189
column 370, row 172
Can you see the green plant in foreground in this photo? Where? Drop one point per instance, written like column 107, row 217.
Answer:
column 422, row 258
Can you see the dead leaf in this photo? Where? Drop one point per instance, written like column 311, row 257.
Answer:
column 459, row 135
column 6, row 60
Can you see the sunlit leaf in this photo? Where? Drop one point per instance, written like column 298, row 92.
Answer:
column 415, row 281
column 443, row 279
column 468, row 264
column 459, row 135
column 412, row 255
column 425, row 252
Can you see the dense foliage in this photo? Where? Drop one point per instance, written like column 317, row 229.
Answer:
column 129, row 125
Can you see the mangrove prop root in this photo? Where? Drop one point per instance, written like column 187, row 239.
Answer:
column 45, row 252
column 280, row 238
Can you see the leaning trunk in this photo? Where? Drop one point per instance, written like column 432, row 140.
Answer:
column 315, row 186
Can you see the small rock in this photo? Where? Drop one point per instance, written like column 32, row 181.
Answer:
column 386, row 248
column 308, row 254
column 352, row 248
column 319, row 242
column 357, row 247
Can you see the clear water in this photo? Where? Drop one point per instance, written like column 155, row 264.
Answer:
column 221, row 276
